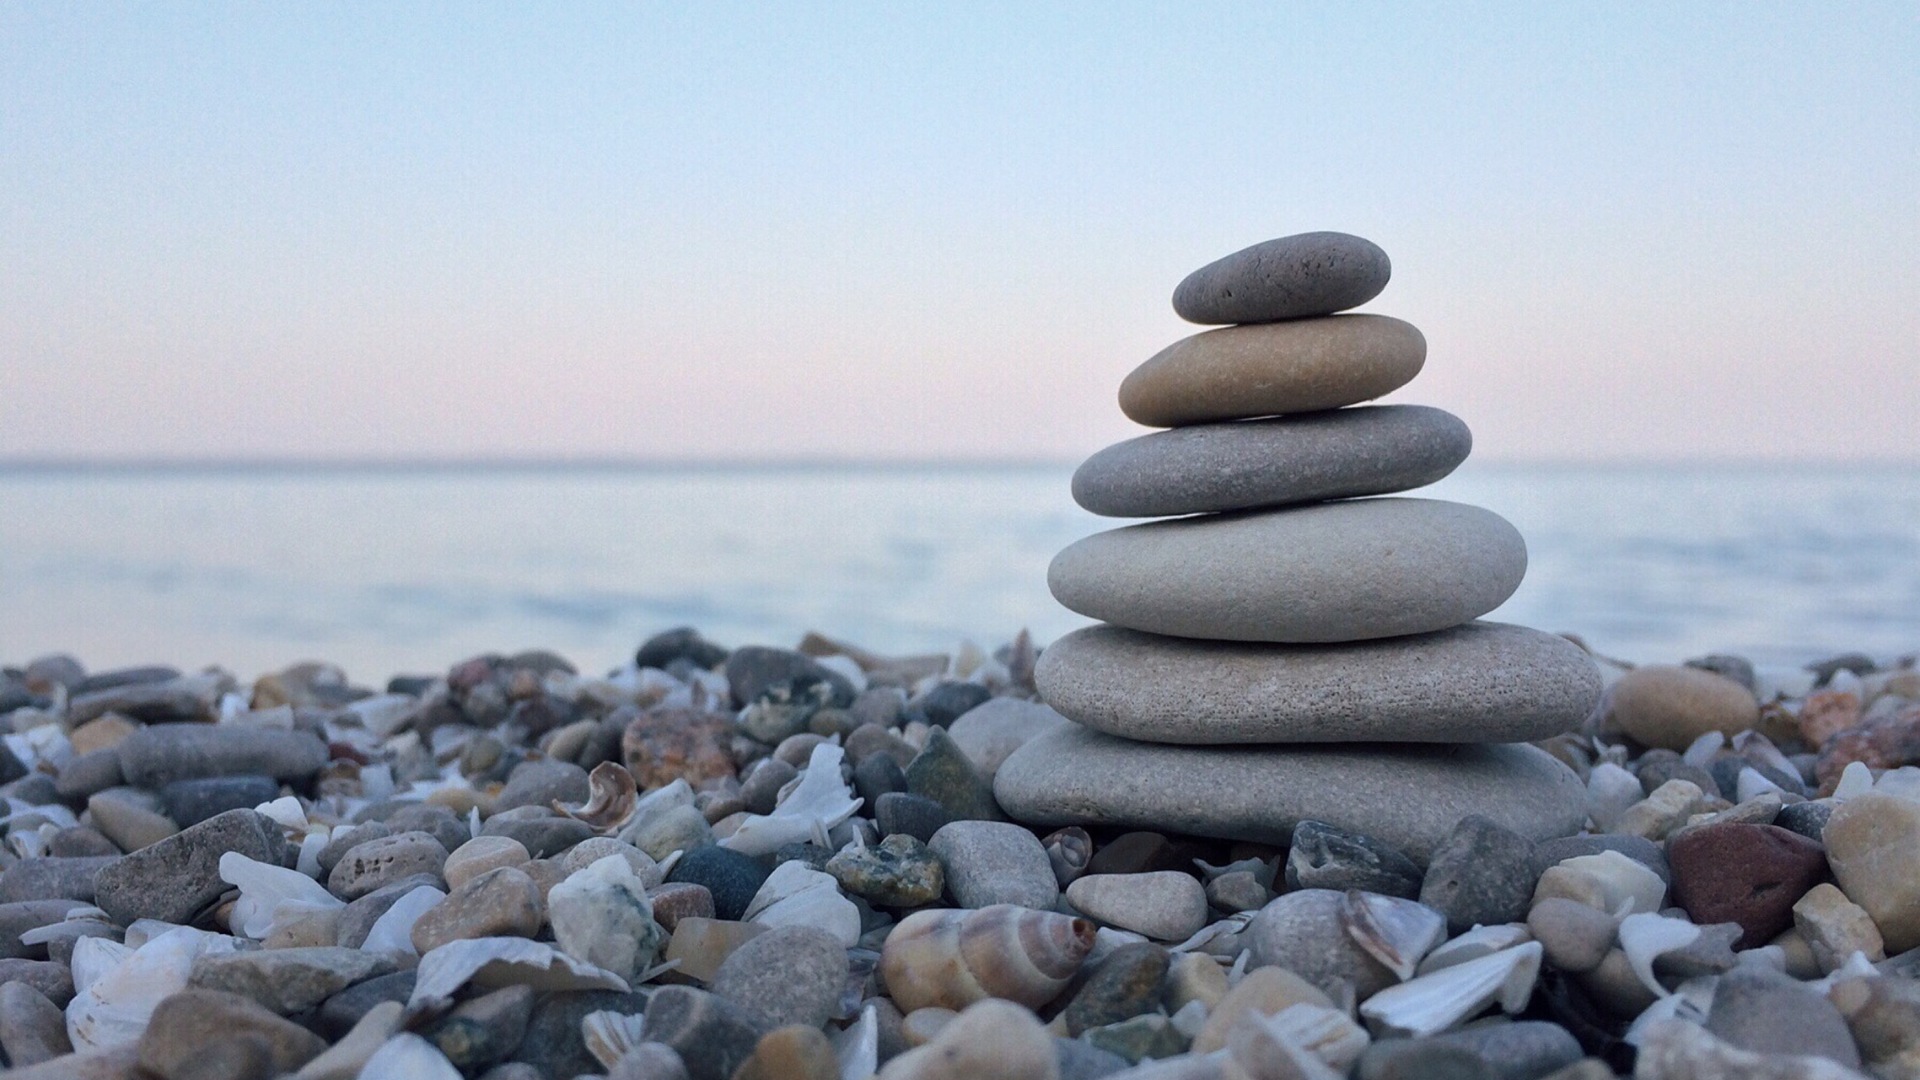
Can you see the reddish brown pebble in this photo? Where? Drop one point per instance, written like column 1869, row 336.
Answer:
column 678, row 900
column 1746, row 874
column 665, row 745
column 1887, row 743
column 1826, row 714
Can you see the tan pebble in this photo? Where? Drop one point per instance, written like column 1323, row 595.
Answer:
column 502, row 902
column 1665, row 811
column 1800, row 961
column 1836, row 927
column 990, row 1038
column 794, row 1052
column 481, row 854
column 921, row 1026
column 462, row 801
column 545, row 873
column 1884, row 1016
column 1606, row 881
column 1871, row 840
column 310, row 929
column 1264, row 991
column 1195, row 977
column 101, row 733
column 1670, row 707
column 700, row 946
column 1615, row 986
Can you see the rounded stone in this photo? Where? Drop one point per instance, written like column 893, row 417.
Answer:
column 1242, row 372
column 788, row 975
column 1291, row 277
column 1331, row 572
column 481, row 854
column 1305, row 933
column 1480, row 682
column 1166, row 905
column 994, row 862
column 368, row 866
column 1408, row 796
column 1670, row 707
column 1746, row 874
column 1337, row 454
column 1870, row 841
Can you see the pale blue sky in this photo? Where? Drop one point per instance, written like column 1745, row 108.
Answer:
column 1628, row 230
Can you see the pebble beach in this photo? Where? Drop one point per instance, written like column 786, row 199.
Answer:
column 769, row 862
column 1292, row 809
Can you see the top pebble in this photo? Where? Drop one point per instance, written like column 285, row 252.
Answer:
column 1294, row 277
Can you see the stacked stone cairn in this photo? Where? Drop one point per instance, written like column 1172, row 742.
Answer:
column 1287, row 644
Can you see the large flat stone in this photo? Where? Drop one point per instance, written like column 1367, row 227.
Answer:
column 1314, row 273
column 1408, row 796
column 156, row 756
column 1337, row 454
column 1341, row 571
column 1240, row 372
column 1481, row 682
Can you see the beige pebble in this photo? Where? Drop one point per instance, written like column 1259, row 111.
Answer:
column 481, row 854
column 1836, row 927
column 1265, row 991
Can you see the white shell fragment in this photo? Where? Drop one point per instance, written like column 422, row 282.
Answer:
column 1433, row 1003
column 818, row 803
column 117, row 1003
column 1329, row 1034
column 411, row 1056
column 609, row 1035
column 1476, row 943
column 797, row 895
column 271, row 895
column 1396, row 932
column 612, row 797
column 1645, row 936
column 393, row 931
column 858, row 1047
column 493, row 962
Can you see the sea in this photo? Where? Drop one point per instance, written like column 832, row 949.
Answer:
column 392, row 569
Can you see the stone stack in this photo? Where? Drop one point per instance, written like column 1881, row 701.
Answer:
column 1288, row 644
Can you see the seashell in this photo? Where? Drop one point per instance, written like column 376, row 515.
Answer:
column 798, row 895
column 858, row 1046
column 1750, row 784
column 271, row 895
column 1433, row 1003
column 411, row 1056
column 611, row 798
column 1645, row 936
column 1328, row 1034
column 819, row 801
column 1069, row 850
column 123, row 988
column 1476, row 943
column 609, row 1035
column 1396, row 932
column 1261, row 1048
column 1704, row 749
column 1221, row 937
column 493, row 962
column 1691, row 1002
column 952, row 958
column 393, row 931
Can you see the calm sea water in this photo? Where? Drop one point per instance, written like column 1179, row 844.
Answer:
column 386, row 571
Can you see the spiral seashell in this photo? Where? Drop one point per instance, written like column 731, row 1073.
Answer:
column 1068, row 850
column 611, row 798
column 951, row 958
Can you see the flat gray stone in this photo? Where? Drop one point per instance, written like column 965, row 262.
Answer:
column 1481, row 682
column 159, row 755
column 1307, row 457
column 1408, row 796
column 1316, row 273
column 1241, row 372
column 994, row 862
column 1341, row 571
column 177, row 877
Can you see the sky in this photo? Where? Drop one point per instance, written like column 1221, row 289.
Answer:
column 722, row 231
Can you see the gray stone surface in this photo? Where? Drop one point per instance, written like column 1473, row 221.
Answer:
column 156, row 756
column 1290, row 277
column 1242, row 372
column 288, row 981
column 994, row 862
column 1305, row 933
column 173, row 879
column 1481, row 682
column 1407, row 796
column 1341, row 571
column 1337, row 454
column 788, row 975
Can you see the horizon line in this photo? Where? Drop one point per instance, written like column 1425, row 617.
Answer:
column 68, row 464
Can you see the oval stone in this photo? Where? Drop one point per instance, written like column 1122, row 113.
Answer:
column 1316, row 273
column 1240, row 372
column 1341, row 571
column 1308, row 457
column 1481, row 682
column 1407, row 796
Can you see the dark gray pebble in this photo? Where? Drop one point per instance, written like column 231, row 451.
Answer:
column 731, row 877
